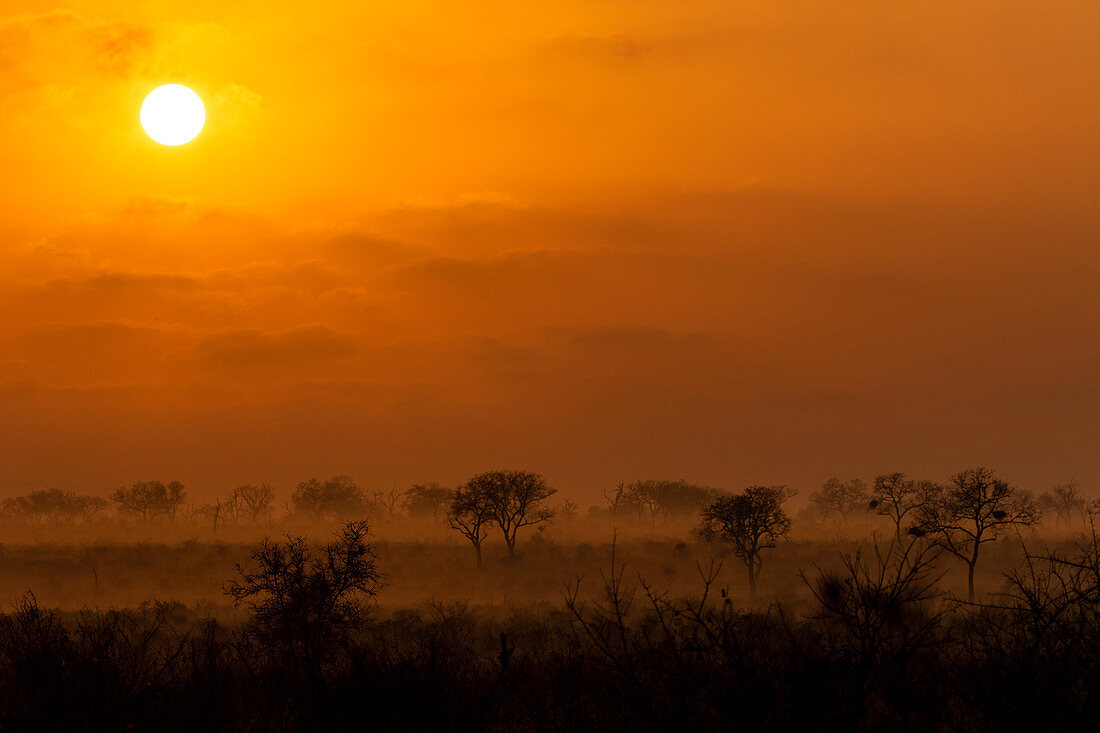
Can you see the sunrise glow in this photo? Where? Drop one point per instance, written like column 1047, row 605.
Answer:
column 173, row 114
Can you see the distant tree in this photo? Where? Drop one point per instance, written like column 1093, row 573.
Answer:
column 151, row 499
column 304, row 600
column 670, row 498
column 975, row 508
column 750, row 522
column 615, row 497
column 256, row 500
column 82, row 507
column 388, row 501
column 1065, row 502
column 230, row 508
column 569, row 510
column 338, row 497
column 54, row 505
column 471, row 513
column 681, row 498
column 211, row 512
column 896, row 496
column 516, row 500
column 840, row 497
column 173, row 499
column 422, row 500
column 37, row 505
column 641, row 496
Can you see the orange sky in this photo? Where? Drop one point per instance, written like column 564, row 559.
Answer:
column 763, row 241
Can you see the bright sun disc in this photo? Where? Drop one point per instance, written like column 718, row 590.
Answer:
column 172, row 114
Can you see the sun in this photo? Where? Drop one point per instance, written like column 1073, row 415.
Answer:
column 172, row 114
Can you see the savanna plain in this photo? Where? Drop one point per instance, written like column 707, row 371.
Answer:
column 499, row 605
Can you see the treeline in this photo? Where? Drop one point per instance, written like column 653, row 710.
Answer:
column 973, row 509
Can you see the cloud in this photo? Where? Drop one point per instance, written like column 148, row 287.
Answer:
column 46, row 47
column 235, row 103
column 251, row 347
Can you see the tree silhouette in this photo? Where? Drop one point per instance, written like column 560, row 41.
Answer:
column 302, row 599
column 424, row 499
column 1065, row 501
column 750, row 522
column 840, row 497
column 256, row 500
column 150, row 499
column 515, row 498
column 471, row 514
column 337, row 497
column 974, row 509
column 54, row 504
column 896, row 497
column 671, row 498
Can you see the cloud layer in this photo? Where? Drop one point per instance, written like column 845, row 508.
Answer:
column 729, row 242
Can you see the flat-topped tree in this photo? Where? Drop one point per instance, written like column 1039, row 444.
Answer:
column 151, row 499
column 975, row 508
column 339, row 497
column 516, row 500
column 422, row 500
column 750, row 522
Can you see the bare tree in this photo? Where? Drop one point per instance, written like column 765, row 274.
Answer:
column 230, row 508
column 614, row 497
column 304, row 599
column 471, row 514
column 750, row 522
column 974, row 509
column 840, row 497
column 1065, row 501
column 896, row 497
column 256, row 500
column 516, row 500
column 879, row 614
column 390, row 500
column 212, row 512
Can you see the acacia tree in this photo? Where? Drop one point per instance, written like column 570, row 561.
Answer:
column 840, row 497
column 671, row 498
column 424, row 499
column 151, row 499
column 750, row 522
column 256, row 500
column 974, row 509
column 472, row 515
column 515, row 498
column 54, row 504
column 337, row 497
column 896, row 497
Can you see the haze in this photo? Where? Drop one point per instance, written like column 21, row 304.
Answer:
column 752, row 242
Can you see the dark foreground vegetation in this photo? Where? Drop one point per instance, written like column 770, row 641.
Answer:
column 900, row 605
column 877, row 646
